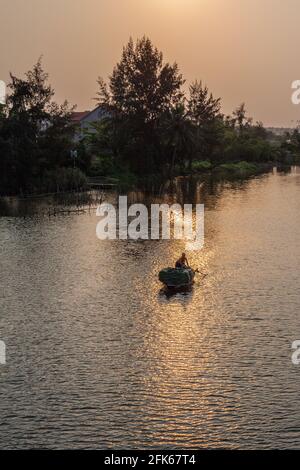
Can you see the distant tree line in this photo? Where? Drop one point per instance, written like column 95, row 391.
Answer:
column 151, row 127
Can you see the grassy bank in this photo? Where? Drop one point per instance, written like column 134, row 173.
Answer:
column 126, row 180
column 241, row 168
column 244, row 169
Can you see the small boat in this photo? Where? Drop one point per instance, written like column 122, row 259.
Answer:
column 177, row 278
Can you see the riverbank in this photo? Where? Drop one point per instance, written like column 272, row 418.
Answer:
column 230, row 170
column 70, row 180
column 244, row 169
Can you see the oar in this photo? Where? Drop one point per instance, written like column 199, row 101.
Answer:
column 200, row 272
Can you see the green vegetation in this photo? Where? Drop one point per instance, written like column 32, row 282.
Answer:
column 289, row 149
column 59, row 180
column 199, row 166
column 151, row 127
column 240, row 167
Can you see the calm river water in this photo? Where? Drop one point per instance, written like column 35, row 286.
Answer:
column 99, row 357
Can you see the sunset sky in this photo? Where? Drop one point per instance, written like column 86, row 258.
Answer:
column 244, row 50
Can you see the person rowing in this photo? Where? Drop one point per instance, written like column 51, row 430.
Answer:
column 182, row 262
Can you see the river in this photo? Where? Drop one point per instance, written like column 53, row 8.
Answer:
column 99, row 357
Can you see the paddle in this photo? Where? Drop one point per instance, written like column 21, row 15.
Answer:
column 200, row 272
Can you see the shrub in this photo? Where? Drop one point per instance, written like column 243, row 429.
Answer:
column 240, row 167
column 102, row 165
column 62, row 179
column 201, row 165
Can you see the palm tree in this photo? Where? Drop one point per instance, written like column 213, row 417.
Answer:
column 179, row 135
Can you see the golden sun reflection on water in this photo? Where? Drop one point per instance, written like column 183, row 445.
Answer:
column 177, row 345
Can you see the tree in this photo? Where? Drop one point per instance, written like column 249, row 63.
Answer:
column 239, row 118
column 178, row 134
column 204, row 111
column 37, row 131
column 141, row 85
column 141, row 89
column 202, row 106
column 5, row 168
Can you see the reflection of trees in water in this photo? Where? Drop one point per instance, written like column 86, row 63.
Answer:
column 206, row 190
column 78, row 199
column 188, row 190
column 4, row 209
column 14, row 207
column 51, row 204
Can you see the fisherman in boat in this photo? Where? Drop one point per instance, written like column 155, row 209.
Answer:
column 182, row 262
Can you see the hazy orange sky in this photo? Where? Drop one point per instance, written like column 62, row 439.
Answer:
column 244, row 50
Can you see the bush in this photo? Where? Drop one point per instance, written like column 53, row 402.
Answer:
column 248, row 150
column 62, row 179
column 201, row 165
column 240, row 167
column 102, row 165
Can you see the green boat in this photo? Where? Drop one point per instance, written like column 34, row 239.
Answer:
column 177, row 278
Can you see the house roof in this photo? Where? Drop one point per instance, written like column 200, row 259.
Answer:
column 98, row 108
column 78, row 116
